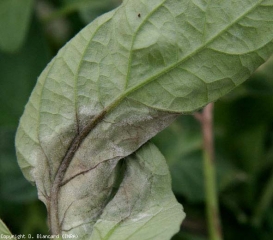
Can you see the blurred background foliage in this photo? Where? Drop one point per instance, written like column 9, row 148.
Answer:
column 31, row 34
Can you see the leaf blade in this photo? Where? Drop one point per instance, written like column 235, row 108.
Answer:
column 4, row 230
column 146, row 208
column 101, row 98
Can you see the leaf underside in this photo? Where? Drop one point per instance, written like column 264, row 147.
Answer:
column 120, row 81
column 4, row 230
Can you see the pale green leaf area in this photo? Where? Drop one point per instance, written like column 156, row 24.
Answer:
column 133, row 214
column 14, row 20
column 4, row 230
column 120, row 81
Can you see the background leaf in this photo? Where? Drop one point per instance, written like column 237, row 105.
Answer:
column 181, row 143
column 89, row 10
column 18, row 74
column 15, row 86
column 14, row 21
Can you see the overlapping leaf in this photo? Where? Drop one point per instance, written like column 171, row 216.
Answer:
column 144, row 206
column 121, row 80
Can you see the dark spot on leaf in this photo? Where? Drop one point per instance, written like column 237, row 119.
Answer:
column 139, row 15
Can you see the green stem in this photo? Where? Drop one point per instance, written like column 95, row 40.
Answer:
column 264, row 203
column 212, row 209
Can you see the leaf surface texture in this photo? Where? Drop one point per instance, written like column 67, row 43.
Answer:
column 4, row 230
column 116, row 84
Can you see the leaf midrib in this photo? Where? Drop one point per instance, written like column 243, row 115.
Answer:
column 173, row 66
column 133, row 89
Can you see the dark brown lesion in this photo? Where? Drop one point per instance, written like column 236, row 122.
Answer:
column 83, row 172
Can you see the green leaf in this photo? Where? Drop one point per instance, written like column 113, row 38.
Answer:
column 120, row 81
column 144, row 206
column 14, row 20
column 4, row 230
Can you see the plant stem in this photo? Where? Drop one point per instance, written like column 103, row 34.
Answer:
column 213, row 217
column 264, row 203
